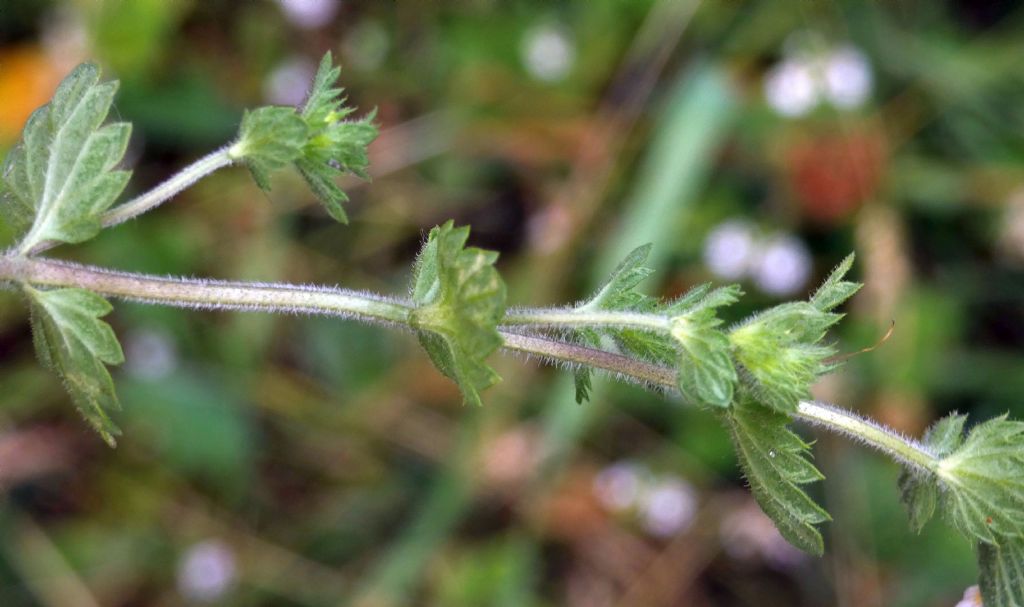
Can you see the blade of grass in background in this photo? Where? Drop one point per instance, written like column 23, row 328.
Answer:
column 686, row 140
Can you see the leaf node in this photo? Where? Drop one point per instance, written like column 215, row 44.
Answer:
column 460, row 300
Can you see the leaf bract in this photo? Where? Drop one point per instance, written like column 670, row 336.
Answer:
column 780, row 349
column 460, row 300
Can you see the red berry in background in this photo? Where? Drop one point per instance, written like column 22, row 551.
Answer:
column 832, row 175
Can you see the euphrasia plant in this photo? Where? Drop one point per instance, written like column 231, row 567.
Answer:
column 59, row 184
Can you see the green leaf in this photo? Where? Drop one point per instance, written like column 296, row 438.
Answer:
column 983, row 482
column 72, row 341
column 582, row 376
column 1002, row 573
column 59, row 179
column 919, row 492
column 317, row 140
column 461, row 299
column 617, row 293
column 834, row 291
column 269, row 139
column 775, row 462
column 691, row 339
column 706, row 372
column 780, row 348
column 335, row 145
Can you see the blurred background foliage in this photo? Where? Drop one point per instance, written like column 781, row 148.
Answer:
column 308, row 461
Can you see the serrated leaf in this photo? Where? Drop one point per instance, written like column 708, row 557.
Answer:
column 72, row 341
column 690, row 339
column 317, row 140
column 834, row 291
column 706, row 373
column 617, row 292
column 775, row 462
column 780, row 348
column 983, row 482
column 780, row 351
column 920, row 492
column 335, row 145
column 781, row 360
column 324, row 96
column 60, row 178
column 460, row 300
column 1002, row 573
column 269, row 139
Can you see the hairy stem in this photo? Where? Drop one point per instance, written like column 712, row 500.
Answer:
column 206, row 294
column 223, row 295
column 581, row 317
column 903, row 449
column 168, row 189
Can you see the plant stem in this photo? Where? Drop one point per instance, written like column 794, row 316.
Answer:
column 581, row 317
column 223, row 295
column 871, row 433
column 168, row 189
column 165, row 191
column 628, row 368
column 206, row 294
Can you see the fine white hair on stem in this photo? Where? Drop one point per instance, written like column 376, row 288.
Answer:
column 523, row 338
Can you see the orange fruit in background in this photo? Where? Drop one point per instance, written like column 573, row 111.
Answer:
column 833, row 175
column 27, row 81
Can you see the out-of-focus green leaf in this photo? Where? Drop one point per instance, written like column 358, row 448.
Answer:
column 1001, row 576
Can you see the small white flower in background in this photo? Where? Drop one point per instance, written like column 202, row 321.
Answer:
column 783, row 266
column 366, row 45
column 547, row 52
column 1011, row 234
column 972, row 598
column 668, row 507
column 150, row 355
column 848, row 78
column 618, row 486
column 207, row 571
column 729, row 248
column 796, row 85
column 289, row 82
column 791, row 88
column 309, row 14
